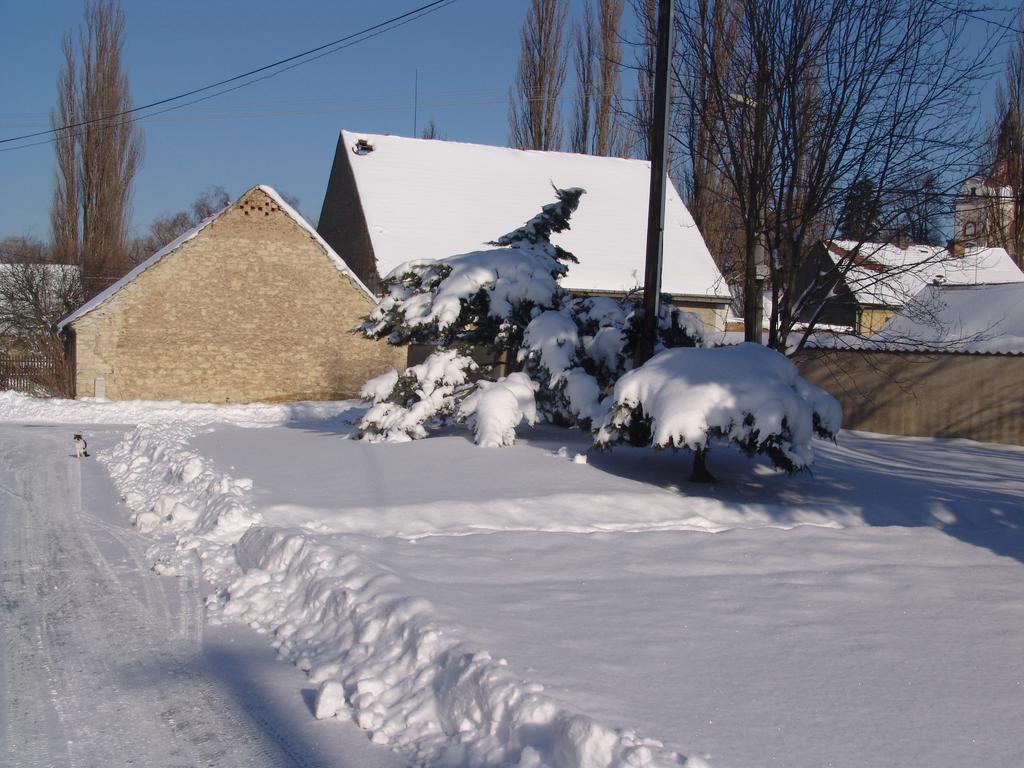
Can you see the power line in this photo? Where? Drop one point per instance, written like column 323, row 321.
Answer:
column 423, row 10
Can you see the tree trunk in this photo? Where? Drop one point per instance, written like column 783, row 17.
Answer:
column 700, row 473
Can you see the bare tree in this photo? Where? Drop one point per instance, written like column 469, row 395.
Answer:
column 608, row 134
column 534, row 109
column 1005, row 162
column 17, row 249
column 430, row 130
column 35, row 293
column 919, row 212
column 99, row 154
column 584, row 54
column 65, row 209
column 597, row 54
column 709, row 196
column 811, row 96
column 642, row 115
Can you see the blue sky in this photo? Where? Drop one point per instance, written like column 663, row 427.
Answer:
column 280, row 132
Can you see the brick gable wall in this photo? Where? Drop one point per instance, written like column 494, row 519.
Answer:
column 250, row 309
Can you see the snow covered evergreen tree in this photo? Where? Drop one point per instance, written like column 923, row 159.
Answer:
column 508, row 300
column 748, row 395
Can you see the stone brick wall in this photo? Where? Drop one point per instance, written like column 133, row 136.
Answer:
column 251, row 309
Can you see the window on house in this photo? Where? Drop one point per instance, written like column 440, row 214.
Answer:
column 970, row 229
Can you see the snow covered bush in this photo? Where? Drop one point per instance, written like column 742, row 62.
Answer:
column 402, row 404
column 748, row 395
column 508, row 300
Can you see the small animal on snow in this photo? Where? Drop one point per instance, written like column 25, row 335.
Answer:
column 80, row 446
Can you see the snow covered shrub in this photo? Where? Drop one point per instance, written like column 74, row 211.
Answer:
column 748, row 395
column 402, row 404
column 578, row 351
column 508, row 299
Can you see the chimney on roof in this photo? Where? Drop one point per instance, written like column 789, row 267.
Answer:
column 363, row 147
column 902, row 240
column 955, row 248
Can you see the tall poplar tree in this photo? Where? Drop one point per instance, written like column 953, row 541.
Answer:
column 98, row 149
column 534, row 110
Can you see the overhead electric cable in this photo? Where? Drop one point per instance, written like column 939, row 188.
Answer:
column 390, row 24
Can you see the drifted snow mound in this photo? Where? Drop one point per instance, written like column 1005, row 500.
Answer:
column 747, row 394
column 52, row 410
column 384, row 660
column 379, row 656
column 170, row 488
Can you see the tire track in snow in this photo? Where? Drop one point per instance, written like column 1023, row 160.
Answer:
column 92, row 677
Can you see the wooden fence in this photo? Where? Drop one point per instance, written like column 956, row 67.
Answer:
column 34, row 373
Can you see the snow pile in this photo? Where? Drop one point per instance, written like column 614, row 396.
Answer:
column 380, row 657
column 383, row 660
column 747, row 394
column 21, row 408
column 170, row 487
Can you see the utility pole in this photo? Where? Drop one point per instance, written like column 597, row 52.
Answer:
column 659, row 178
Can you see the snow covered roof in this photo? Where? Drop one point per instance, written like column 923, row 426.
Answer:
column 974, row 319
column 885, row 274
column 429, row 199
column 961, row 318
column 172, row 246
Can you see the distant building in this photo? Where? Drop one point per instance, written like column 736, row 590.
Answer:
column 250, row 305
column 862, row 285
column 984, row 214
column 950, row 364
column 392, row 199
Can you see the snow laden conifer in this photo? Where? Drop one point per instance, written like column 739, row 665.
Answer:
column 507, row 301
column 748, row 395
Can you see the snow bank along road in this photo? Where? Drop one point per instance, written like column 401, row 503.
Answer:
column 100, row 662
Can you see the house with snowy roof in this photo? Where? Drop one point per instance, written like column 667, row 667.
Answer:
column 391, row 199
column 249, row 305
column 949, row 364
column 862, row 285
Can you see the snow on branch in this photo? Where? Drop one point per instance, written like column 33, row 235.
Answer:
column 507, row 300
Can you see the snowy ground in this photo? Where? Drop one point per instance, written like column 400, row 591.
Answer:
column 476, row 606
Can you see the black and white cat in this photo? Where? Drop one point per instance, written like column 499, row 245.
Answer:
column 80, row 446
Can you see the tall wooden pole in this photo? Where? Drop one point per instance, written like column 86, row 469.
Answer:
column 659, row 180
